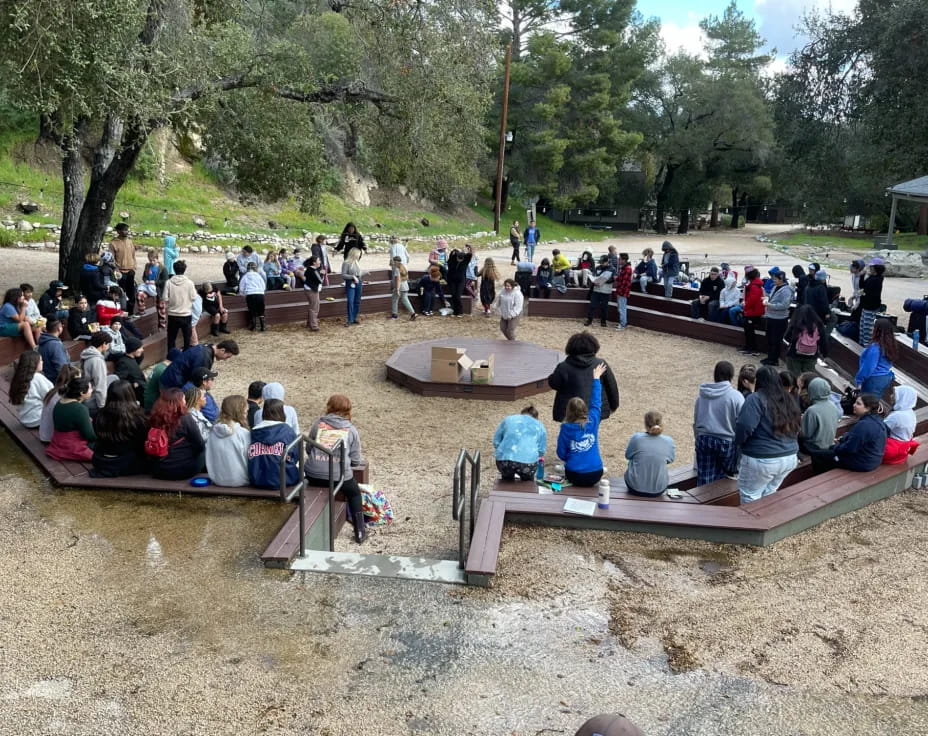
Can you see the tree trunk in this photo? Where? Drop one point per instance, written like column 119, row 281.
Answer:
column 112, row 165
column 662, row 196
column 735, row 209
column 684, row 221
column 923, row 220
column 714, row 217
column 516, row 30
column 72, row 175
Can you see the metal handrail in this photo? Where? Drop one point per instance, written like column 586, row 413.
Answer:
column 299, row 489
column 334, row 487
column 458, row 499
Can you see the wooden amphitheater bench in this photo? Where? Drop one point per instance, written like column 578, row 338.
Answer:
column 802, row 502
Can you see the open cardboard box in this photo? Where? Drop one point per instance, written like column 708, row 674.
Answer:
column 449, row 363
column 482, row 370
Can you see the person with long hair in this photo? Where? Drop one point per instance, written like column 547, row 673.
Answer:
column 753, row 309
column 399, row 290
column 349, row 240
column 806, row 339
column 776, row 314
column 871, row 299
column 352, row 275
column 573, row 376
column 515, row 240
column 875, row 369
column 13, row 319
column 121, row 429
column 766, row 434
column 508, row 304
column 648, row 454
column 313, row 279
column 272, row 272
column 227, row 446
column 47, row 423
column 28, row 388
column 488, row 278
column 578, row 439
column 186, row 447
column 195, row 399
column 861, row 448
column 80, row 317
column 269, row 440
column 73, row 429
column 334, row 426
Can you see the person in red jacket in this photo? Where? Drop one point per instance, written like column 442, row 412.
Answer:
column 622, row 288
column 753, row 309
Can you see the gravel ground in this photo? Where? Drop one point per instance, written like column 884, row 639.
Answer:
column 127, row 613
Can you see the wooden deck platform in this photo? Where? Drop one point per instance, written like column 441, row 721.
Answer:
column 521, row 369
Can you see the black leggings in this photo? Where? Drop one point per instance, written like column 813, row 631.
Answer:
column 350, row 490
column 457, row 293
column 178, row 324
column 587, row 480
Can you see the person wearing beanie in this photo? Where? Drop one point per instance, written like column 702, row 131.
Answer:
column 231, row 273
column 127, row 366
column 670, row 267
column 275, row 390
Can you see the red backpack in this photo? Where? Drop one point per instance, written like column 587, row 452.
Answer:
column 156, row 443
column 807, row 343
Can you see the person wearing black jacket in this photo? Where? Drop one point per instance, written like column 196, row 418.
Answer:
column 574, row 377
column 350, row 238
column 816, row 296
column 707, row 303
column 186, row 447
column 80, row 317
column 121, row 430
column 50, row 302
column 126, row 366
column 230, row 273
column 871, row 299
column 861, row 448
column 457, row 274
column 92, row 283
column 802, row 283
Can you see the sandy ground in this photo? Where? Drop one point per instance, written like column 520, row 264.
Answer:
column 126, row 613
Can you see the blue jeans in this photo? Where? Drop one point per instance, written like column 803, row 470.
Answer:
column 877, row 385
column 622, row 303
column 668, row 286
column 353, row 301
column 761, row 476
column 529, row 250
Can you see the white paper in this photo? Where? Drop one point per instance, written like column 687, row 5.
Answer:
column 544, row 490
column 577, row 506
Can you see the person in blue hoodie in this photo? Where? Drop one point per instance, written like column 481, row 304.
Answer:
column 766, row 434
column 578, row 441
column 532, row 238
column 92, row 284
column 269, row 441
column 54, row 356
column 875, row 370
column 519, row 440
column 861, row 448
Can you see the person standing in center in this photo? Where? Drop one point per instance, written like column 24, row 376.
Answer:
column 600, row 293
column 777, row 315
column 179, row 295
column 622, row 287
column 123, row 250
column 252, row 286
column 670, row 267
column 349, row 240
column 515, row 239
column 509, row 303
column 458, row 262
column 532, row 237
column 313, row 277
column 574, row 376
column 351, row 273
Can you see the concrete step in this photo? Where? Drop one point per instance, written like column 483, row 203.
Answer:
column 381, row 566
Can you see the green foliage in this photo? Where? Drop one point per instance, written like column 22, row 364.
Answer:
column 905, row 241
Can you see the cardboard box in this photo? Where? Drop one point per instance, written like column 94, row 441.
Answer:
column 448, row 364
column 482, row 370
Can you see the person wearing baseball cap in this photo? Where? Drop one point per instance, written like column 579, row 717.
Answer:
column 50, row 302
column 204, row 380
column 609, row 724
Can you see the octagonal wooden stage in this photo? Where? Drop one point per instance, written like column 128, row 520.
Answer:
column 521, row 369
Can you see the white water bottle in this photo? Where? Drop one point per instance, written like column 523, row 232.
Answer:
column 602, row 495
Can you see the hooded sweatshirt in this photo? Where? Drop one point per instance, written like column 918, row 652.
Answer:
column 778, row 304
column 573, row 376
column 730, row 295
column 269, row 440
column 276, row 391
column 578, row 444
column 93, row 366
column 755, row 434
column 179, row 293
column 30, row 411
column 520, row 438
column 716, row 410
column 901, row 422
column 820, row 420
column 861, row 448
column 227, row 454
column 54, row 356
column 327, row 431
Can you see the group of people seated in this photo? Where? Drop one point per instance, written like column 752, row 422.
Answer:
column 752, row 430
column 169, row 425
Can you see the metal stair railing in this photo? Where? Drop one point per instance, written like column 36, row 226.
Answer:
column 467, row 463
column 299, row 490
column 336, row 454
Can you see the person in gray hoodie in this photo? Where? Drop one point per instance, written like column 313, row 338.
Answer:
column 93, row 367
column 329, row 429
column 777, row 315
column 227, row 446
column 820, row 420
column 276, row 391
column 714, row 417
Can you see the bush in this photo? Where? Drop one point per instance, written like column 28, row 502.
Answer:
column 7, row 238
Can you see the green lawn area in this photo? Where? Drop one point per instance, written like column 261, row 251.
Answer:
column 905, row 241
column 196, row 193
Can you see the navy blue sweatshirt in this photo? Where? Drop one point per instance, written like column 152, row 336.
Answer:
column 861, row 448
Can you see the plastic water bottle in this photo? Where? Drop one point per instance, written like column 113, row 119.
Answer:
column 540, row 469
column 602, row 496
column 916, row 337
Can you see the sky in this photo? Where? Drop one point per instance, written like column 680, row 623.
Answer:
column 776, row 20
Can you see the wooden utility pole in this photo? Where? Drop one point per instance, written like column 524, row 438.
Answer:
column 502, row 142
